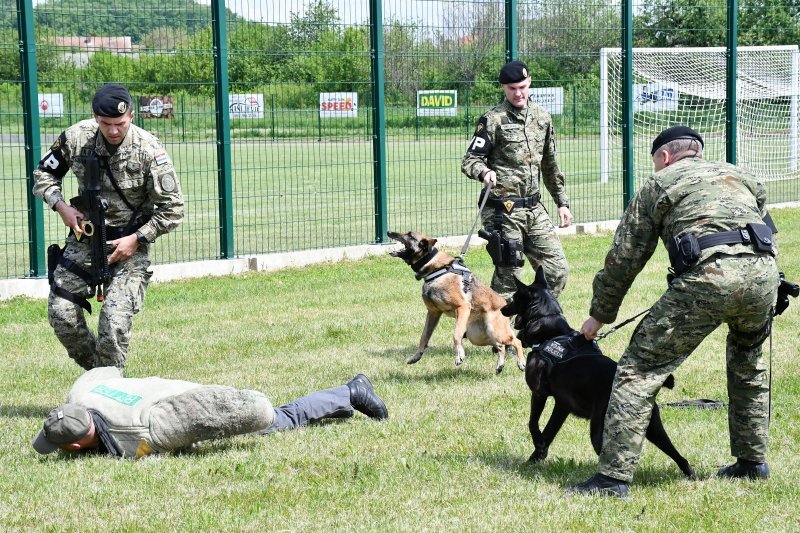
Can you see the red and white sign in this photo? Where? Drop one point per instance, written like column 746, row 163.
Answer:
column 338, row 105
column 51, row 104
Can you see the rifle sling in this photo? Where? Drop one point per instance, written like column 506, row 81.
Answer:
column 135, row 210
column 74, row 298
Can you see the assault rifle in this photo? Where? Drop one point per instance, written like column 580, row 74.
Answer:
column 94, row 207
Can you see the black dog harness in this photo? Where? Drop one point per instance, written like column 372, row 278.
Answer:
column 566, row 348
column 456, row 267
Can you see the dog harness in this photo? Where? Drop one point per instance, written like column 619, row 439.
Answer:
column 456, row 267
column 566, row 348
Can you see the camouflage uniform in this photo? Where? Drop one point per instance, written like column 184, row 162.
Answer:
column 730, row 283
column 519, row 144
column 145, row 175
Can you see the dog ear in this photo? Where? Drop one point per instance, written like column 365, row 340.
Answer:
column 540, row 279
column 427, row 245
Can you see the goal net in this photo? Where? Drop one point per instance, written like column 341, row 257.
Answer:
column 687, row 86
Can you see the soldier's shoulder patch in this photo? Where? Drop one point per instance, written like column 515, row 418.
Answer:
column 480, row 144
column 160, row 158
column 168, row 183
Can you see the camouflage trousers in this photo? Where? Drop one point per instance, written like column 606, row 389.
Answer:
column 738, row 290
column 533, row 228
column 124, row 298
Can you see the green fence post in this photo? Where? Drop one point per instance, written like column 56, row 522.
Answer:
column 731, row 45
column 379, row 120
column 225, row 188
column 33, row 143
column 512, row 48
column 319, row 126
column 272, row 116
column 627, row 103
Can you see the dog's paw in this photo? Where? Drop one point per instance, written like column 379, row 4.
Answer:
column 538, row 455
column 414, row 358
column 459, row 360
column 521, row 365
column 499, row 369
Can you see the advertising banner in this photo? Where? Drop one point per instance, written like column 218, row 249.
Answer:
column 338, row 105
column 655, row 96
column 437, row 103
column 550, row 98
column 246, row 105
column 51, row 105
column 155, row 107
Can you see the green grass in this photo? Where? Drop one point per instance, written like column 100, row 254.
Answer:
column 452, row 455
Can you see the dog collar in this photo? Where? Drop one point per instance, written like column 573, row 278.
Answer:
column 416, row 267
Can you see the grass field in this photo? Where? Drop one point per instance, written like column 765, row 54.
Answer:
column 296, row 195
column 451, row 457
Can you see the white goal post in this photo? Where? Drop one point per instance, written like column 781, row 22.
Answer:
column 688, row 86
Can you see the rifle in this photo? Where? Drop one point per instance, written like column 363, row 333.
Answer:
column 94, row 206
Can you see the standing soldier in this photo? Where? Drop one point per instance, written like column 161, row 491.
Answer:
column 514, row 145
column 709, row 216
column 142, row 200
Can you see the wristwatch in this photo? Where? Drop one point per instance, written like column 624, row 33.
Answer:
column 141, row 238
column 565, row 204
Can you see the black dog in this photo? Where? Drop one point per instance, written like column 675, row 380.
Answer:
column 564, row 365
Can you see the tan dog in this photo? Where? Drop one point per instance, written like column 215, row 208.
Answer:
column 451, row 289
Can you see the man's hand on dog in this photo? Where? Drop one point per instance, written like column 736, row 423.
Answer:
column 590, row 328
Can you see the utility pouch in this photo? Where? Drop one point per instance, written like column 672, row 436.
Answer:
column 493, row 245
column 760, row 237
column 684, row 253
column 54, row 252
column 513, row 253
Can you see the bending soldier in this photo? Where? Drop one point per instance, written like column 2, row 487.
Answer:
column 132, row 177
column 713, row 219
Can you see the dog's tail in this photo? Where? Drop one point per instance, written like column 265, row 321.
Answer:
column 669, row 382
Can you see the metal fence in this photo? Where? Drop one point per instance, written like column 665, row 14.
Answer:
column 303, row 124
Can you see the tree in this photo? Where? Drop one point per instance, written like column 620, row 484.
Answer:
column 116, row 19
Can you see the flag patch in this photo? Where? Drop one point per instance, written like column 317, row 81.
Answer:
column 160, row 158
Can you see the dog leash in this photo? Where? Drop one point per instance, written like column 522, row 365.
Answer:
column 601, row 336
column 475, row 225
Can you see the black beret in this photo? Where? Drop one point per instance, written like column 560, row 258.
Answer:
column 111, row 100
column 513, row 72
column 674, row 133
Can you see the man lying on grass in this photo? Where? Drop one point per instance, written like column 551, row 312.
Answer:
column 134, row 417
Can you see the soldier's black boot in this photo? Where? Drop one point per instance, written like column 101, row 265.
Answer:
column 743, row 468
column 602, row 485
column 364, row 399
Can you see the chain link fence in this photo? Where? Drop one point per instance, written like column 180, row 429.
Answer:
column 332, row 138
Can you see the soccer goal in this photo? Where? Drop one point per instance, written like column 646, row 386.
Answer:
column 687, row 86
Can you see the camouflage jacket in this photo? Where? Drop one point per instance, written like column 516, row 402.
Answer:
column 519, row 145
column 141, row 167
column 691, row 195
